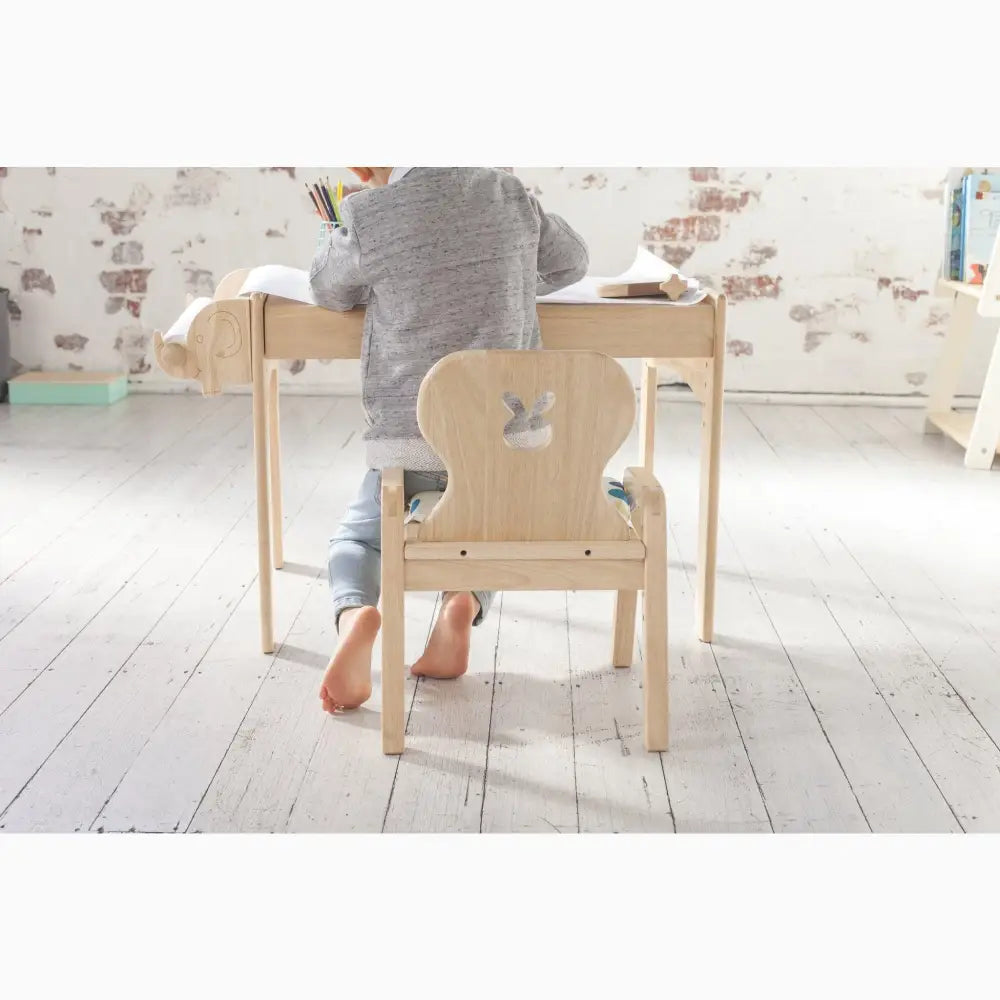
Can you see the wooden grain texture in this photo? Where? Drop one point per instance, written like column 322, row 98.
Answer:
column 438, row 786
column 620, row 787
column 82, row 773
column 192, row 739
column 853, row 683
column 530, row 775
column 629, row 330
column 501, row 493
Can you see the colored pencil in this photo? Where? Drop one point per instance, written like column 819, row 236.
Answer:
column 328, row 187
column 319, row 212
column 325, row 199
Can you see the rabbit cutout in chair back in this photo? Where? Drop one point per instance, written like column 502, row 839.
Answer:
column 515, row 476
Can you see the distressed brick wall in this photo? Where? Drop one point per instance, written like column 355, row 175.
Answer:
column 829, row 271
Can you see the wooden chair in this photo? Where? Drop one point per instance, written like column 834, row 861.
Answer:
column 520, row 518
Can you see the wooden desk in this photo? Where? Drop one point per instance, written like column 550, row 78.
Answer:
column 238, row 341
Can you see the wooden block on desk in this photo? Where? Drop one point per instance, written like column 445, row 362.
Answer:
column 673, row 288
column 68, row 388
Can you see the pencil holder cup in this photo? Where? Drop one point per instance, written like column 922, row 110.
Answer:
column 325, row 229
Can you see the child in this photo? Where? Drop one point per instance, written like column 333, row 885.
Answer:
column 446, row 259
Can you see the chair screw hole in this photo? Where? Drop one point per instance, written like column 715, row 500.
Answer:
column 463, row 552
column 586, row 552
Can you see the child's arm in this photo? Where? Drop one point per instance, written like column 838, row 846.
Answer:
column 336, row 276
column 562, row 255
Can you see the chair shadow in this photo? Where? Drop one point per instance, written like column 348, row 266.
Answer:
column 307, row 657
column 302, row 569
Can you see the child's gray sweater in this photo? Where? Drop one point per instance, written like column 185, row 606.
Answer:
column 446, row 259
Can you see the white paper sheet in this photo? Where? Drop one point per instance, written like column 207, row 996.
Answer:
column 272, row 279
column 646, row 267
column 276, row 279
column 293, row 283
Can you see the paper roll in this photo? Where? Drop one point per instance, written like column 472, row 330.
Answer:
column 179, row 331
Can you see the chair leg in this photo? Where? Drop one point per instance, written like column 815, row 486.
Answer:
column 654, row 630
column 623, row 642
column 393, row 620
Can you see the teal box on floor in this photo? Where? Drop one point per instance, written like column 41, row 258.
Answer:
column 68, row 388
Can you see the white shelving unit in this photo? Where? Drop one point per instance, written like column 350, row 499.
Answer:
column 977, row 432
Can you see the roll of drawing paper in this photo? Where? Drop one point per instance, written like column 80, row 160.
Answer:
column 179, row 330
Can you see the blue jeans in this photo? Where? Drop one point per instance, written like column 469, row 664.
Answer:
column 355, row 559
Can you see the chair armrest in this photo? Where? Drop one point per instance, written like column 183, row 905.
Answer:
column 393, row 496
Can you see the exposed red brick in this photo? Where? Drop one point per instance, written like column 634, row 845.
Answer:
column 802, row 314
column 696, row 228
column 113, row 304
column 674, row 253
column 129, row 252
column 34, row 278
column 129, row 279
column 716, row 200
column 594, row 181
column 758, row 255
column 937, row 316
column 25, row 231
column 909, row 294
column 740, row 287
column 134, row 306
column 197, row 186
column 813, row 339
column 702, row 174
column 884, row 283
column 739, row 348
column 121, row 221
column 133, row 344
column 198, row 281
column 74, row 342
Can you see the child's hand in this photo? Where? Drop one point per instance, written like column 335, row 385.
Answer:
column 372, row 176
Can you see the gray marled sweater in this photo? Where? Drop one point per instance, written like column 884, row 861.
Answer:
column 446, row 259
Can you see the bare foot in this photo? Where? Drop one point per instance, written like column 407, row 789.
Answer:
column 447, row 652
column 348, row 679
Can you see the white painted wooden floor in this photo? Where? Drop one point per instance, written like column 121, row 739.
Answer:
column 854, row 684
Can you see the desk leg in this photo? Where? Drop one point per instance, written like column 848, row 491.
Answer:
column 274, row 463
column 647, row 413
column 258, row 375
column 711, row 447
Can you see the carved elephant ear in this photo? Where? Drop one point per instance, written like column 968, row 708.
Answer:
column 528, row 431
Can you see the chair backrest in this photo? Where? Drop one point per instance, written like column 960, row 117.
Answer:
column 525, row 437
